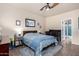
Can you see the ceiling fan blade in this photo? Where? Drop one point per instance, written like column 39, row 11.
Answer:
column 42, row 8
column 55, row 4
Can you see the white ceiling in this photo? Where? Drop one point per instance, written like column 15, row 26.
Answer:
column 35, row 8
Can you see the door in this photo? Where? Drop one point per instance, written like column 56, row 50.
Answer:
column 67, row 30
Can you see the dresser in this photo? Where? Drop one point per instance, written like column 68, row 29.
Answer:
column 4, row 49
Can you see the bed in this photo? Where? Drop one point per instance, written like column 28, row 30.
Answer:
column 37, row 41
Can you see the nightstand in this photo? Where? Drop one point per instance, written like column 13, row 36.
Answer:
column 17, row 40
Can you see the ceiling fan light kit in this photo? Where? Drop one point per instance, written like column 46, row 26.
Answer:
column 47, row 9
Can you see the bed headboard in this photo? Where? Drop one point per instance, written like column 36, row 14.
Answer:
column 32, row 31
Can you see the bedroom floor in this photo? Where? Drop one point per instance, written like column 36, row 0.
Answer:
column 67, row 50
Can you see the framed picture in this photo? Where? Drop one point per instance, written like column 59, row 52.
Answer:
column 18, row 22
column 30, row 23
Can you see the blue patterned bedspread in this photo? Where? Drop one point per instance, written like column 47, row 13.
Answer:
column 38, row 41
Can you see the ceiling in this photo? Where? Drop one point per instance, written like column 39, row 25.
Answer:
column 35, row 8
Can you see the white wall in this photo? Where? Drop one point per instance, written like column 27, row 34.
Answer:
column 54, row 22
column 8, row 17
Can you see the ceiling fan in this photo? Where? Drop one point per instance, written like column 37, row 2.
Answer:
column 47, row 6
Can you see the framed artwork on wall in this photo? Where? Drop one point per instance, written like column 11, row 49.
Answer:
column 30, row 23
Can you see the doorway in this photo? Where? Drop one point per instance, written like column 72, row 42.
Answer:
column 66, row 30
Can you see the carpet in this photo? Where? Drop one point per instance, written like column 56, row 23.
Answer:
column 50, row 51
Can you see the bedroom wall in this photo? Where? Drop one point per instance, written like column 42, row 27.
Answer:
column 54, row 22
column 8, row 17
